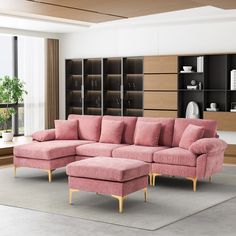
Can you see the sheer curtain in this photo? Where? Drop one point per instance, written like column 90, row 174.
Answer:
column 31, row 69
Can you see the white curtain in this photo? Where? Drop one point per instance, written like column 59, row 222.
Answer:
column 31, row 69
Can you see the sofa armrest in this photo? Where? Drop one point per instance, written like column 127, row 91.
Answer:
column 44, row 135
column 207, row 145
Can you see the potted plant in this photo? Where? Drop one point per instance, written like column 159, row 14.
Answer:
column 11, row 92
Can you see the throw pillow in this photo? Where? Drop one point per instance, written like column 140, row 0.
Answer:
column 147, row 133
column 66, row 129
column 111, row 131
column 190, row 135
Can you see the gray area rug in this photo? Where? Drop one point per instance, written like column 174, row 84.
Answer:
column 171, row 200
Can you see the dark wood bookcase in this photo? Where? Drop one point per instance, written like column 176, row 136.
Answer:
column 74, row 81
column 105, row 86
column 112, row 86
column 92, row 87
column 133, row 86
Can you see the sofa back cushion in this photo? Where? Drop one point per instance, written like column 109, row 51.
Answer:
column 147, row 133
column 129, row 127
column 89, row 126
column 66, row 129
column 181, row 124
column 190, row 135
column 167, row 126
column 112, row 131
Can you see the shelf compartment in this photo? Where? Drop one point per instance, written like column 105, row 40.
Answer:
column 216, row 97
column 112, row 111
column 133, row 65
column 112, row 66
column 92, row 67
column 133, row 112
column 74, row 67
column 186, row 80
column 217, row 71
column 184, row 97
column 74, row 110
column 112, row 83
column 93, row 111
column 133, row 100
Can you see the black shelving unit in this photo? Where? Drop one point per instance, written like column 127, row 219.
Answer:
column 215, row 83
column 112, row 84
column 133, row 86
column 105, row 86
column 74, row 81
column 92, row 87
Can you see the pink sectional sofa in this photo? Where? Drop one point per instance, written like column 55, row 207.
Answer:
column 201, row 159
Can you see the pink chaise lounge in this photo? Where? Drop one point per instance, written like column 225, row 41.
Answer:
column 194, row 157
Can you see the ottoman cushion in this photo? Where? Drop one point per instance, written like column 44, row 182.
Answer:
column 105, row 168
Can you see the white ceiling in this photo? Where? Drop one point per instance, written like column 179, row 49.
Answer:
column 196, row 15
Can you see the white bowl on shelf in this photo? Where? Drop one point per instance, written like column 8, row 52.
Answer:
column 187, row 68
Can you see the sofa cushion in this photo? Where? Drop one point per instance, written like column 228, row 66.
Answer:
column 153, row 129
column 89, row 126
column 190, row 135
column 111, row 169
column 111, row 131
column 97, row 149
column 129, row 127
column 48, row 150
column 44, row 135
column 181, row 124
column 167, row 127
column 66, row 129
column 175, row 156
column 135, row 152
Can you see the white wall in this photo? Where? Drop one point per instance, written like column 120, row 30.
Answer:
column 218, row 37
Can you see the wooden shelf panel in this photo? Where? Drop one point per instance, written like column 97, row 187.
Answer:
column 160, row 100
column 226, row 120
column 160, row 82
column 160, row 64
column 160, row 113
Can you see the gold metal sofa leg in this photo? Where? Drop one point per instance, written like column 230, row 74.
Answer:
column 194, row 183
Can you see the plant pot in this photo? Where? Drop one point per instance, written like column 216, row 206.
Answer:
column 7, row 136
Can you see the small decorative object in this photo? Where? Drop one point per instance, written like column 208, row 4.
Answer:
column 193, row 82
column 233, row 107
column 233, row 80
column 200, row 64
column 11, row 92
column 193, row 85
column 213, row 107
column 192, row 110
column 187, row 68
column 200, row 85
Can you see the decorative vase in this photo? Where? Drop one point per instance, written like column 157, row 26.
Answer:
column 7, row 136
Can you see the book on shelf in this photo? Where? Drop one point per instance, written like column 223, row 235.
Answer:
column 233, row 80
column 200, row 64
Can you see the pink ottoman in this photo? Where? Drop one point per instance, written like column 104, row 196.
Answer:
column 111, row 176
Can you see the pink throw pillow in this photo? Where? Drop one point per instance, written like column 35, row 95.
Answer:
column 66, row 129
column 111, row 131
column 44, row 135
column 190, row 135
column 147, row 133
